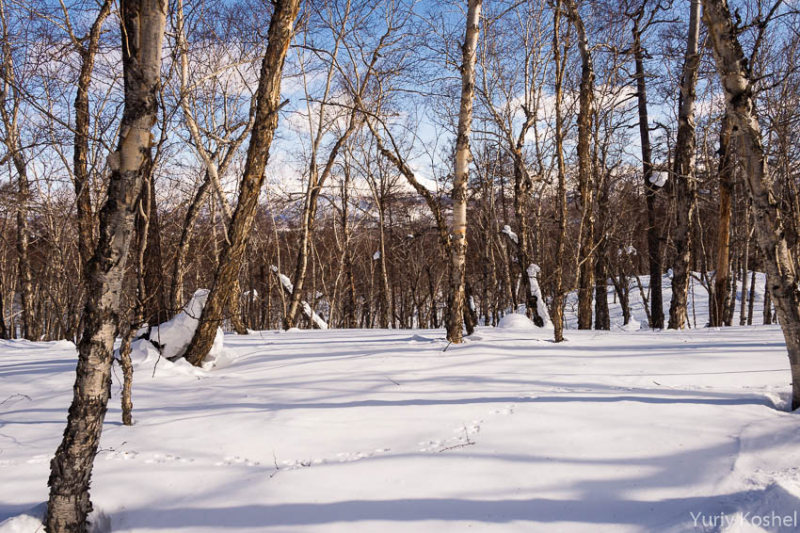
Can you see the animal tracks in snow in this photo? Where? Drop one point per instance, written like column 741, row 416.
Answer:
column 463, row 434
column 507, row 410
column 462, row 437
column 235, row 460
column 342, row 457
column 122, row 456
column 160, row 458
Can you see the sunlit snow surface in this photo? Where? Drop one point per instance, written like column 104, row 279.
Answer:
column 394, row 431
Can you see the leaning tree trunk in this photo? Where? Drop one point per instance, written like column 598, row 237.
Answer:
column 455, row 317
column 586, row 188
column 780, row 265
column 721, row 275
column 267, row 106
column 684, row 176
column 651, row 190
column 71, row 468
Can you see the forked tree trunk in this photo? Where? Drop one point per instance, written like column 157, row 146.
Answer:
column 719, row 303
column 71, row 468
column 455, row 316
column 683, row 178
column 586, row 188
column 266, row 120
column 780, row 265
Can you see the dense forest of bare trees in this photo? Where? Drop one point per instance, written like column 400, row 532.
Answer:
column 406, row 164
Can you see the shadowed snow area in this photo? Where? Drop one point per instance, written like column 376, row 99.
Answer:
column 369, row 430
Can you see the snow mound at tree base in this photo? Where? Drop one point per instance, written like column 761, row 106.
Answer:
column 173, row 338
column 31, row 521
column 516, row 323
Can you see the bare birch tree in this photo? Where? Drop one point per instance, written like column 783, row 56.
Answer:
column 735, row 77
column 267, row 106
column 70, row 470
column 684, row 175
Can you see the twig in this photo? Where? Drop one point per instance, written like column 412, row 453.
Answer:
column 21, row 396
column 274, row 462
column 462, row 445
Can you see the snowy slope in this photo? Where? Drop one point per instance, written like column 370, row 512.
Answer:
column 341, row 431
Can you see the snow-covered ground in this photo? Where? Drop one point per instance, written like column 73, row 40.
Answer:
column 394, row 431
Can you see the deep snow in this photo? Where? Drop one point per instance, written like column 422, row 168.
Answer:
column 369, row 430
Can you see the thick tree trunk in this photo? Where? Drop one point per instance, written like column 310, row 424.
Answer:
column 651, row 190
column 266, row 120
column 721, row 277
column 683, row 178
column 455, row 316
column 780, row 265
column 585, row 175
column 143, row 27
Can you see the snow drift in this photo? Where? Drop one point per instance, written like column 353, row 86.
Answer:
column 516, row 323
column 170, row 339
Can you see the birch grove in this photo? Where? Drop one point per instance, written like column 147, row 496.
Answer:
column 344, row 164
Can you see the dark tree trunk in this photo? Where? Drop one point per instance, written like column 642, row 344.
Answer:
column 683, row 178
column 651, row 190
column 586, row 188
column 721, row 277
column 267, row 101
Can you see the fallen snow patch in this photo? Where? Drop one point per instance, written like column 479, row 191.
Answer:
column 511, row 235
column 174, row 336
column 659, row 179
column 516, row 323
